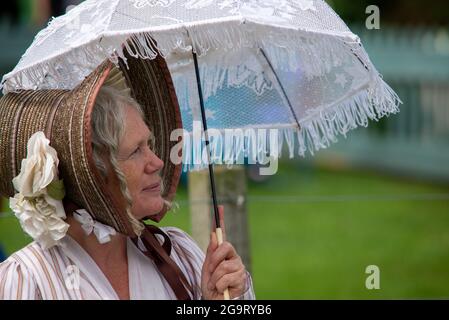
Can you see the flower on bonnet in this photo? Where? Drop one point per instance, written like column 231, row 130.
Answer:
column 38, row 201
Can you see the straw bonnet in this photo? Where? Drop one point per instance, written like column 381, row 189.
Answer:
column 65, row 118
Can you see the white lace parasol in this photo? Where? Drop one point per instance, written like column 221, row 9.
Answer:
column 286, row 64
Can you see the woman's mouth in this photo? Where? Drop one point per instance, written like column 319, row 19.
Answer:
column 154, row 188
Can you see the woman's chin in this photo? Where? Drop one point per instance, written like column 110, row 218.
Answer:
column 154, row 212
column 157, row 217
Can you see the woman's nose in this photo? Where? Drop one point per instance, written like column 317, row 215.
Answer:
column 154, row 163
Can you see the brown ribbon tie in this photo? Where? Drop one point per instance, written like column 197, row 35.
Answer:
column 160, row 254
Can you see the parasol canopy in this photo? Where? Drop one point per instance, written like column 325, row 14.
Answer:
column 289, row 65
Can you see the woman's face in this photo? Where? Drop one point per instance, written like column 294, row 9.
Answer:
column 141, row 167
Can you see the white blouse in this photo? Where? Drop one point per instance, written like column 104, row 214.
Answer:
column 67, row 271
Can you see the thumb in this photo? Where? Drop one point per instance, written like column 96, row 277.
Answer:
column 213, row 244
column 222, row 221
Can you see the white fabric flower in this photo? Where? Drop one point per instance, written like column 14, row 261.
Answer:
column 40, row 215
column 39, row 168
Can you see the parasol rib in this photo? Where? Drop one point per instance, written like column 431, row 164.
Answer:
column 281, row 86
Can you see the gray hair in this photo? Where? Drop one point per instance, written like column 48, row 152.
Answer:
column 107, row 131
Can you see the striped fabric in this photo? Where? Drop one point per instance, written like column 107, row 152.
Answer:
column 67, row 272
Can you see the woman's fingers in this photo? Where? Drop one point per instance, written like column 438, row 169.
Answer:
column 234, row 281
column 225, row 251
column 222, row 268
column 226, row 267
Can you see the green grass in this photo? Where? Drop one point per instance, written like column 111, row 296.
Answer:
column 313, row 233
column 320, row 249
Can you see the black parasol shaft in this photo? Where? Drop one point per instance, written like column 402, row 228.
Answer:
column 206, row 136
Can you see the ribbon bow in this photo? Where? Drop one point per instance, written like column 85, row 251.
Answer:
column 101, row 231
column 160, row 254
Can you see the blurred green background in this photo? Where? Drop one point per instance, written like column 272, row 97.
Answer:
column 379, row 197
column 314, row 231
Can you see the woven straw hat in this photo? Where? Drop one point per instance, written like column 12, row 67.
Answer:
column 65, row 118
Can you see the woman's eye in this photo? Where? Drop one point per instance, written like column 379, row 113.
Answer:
column 150, row 144
column 135, row 151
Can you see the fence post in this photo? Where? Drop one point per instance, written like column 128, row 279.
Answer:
column 199, row 203
column 232, row 193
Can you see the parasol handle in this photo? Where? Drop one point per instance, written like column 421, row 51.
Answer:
column 219, row 234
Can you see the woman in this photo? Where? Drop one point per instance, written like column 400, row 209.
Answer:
column 91, row 243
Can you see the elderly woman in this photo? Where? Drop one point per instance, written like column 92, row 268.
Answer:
column 90, row 241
